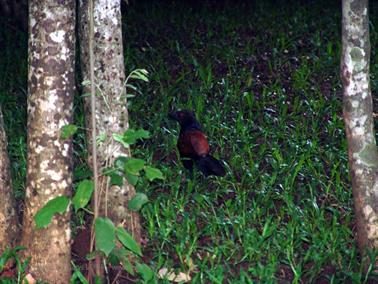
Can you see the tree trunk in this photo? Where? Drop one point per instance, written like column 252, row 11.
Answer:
column 358, row 117
column 51, row 85
column 8, row 216
column 111, row 113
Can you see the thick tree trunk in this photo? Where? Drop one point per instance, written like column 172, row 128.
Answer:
column 111, row 113
column 49, row 172
column 358, row 117
column 8, row 216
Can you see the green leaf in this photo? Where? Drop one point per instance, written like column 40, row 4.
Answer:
column 140, row 74
column 83, row 194
column 134, row 166
column 153, row 173
column 105, row 235
column 131, row 136
column 114, row 258
column 78, row 275
column 119, row 162
column 127, row 266
column 100, row 138
column 91, row 255
column 86, row 95
column 132, row 179
column 116, row 179
column 8, row 254
column 115, row 176
column 67, row 131
column 44, row 215
column 98, row 279
column 82, row 172
column 121, row 255
column 131, row 87
column 128, row 241
column 138, row 201
column 145, row 271
column 119, row 138
column 86, row 83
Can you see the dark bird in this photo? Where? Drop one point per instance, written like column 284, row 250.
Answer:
column 193, row 145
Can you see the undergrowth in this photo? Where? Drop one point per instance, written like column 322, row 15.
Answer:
column 263, row 79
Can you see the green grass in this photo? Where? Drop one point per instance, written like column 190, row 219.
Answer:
column 263, row 80
column 13, row 91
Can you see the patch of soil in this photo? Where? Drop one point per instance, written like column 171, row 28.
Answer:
column 284, row 274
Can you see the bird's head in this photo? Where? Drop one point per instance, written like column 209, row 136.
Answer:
column 185, row 118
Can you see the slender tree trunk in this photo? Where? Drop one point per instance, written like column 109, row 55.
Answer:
column 49, row 172
column 8, row 216
column 358, row 117
column 111, row 113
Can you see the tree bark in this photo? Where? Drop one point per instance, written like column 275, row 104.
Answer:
column 358, row 117
column 8, row 216
column 51, row 85
column 111, row 113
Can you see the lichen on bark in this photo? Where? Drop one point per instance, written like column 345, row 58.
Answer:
column 51, row 85
column 111, row 112
column 358, row 117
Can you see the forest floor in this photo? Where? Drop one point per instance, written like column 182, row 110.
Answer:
column 263, row 80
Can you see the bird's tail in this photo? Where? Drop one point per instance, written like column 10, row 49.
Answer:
column 208, row 165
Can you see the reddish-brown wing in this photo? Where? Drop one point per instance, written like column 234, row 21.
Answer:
column 193, row 144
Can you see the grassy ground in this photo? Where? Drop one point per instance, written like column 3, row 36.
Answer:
column 263, row 80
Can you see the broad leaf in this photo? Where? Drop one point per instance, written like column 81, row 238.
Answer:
column 83, row 194
column 67, row 131
column 128, row 241
column 121, row 255
column 115, row 176
column 119, row 138
column 86, row 83
column 120, row 161
column 44, row 215
column 132, row 179
column 116, row 179
column 127, row 266
column 82, row 172
column 145, row 271
column 105, row 235
column 131, row 136
column 114, row 258
column 153, row 173
column 138, row 201
column 134, row 166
